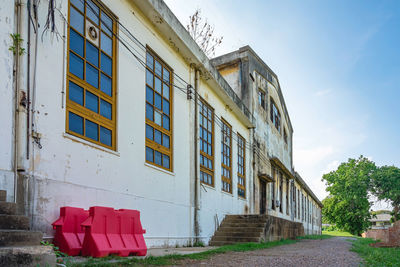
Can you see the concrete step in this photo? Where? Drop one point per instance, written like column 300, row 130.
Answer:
column 243, row 225
column 238, row 234
column 28, row 256
column 3, row 195
column 12, row 238
column 9, row 208
column 240, row 229
column 236, row 239
column 245, row 216
column 237, row 220
column 14, row 222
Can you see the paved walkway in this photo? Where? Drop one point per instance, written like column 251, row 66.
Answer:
column 327, row 252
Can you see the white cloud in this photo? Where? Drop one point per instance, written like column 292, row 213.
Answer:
column 314, row 155
column 323, row 92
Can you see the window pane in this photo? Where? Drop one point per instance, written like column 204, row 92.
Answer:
column 76, row 42
column 106, row 64
column 157, row 117
column 157, row 85
column 76, row 93
column 92, row 11
column 149, row 95
column 165, row 160
column 157, row 136
column 75, row 65
column 149, row 61
column 149, row 78
column 157, row 101
column 165, row 106
column 106, row 109
column 105, row 83
column 105, row 136
column 166, row 140
column 76, row 20
column 92, row 130
column 106, row 23
column 106, row 44
column 149, row 132
column 166, row 91
column 92, row 102
column 149, row 112
column 75, row 123
column 165, row 75
column 157, row 158
column 165, row 122
column 78, row 4
column 92, row 54
column 92, row 75
column 149, row 154
column 158, row 68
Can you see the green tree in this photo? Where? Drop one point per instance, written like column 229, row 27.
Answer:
column 385, row 185
column 348, row 205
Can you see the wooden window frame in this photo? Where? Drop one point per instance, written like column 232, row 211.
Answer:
column 273, row 192
column 287, row 196
column 205, row 169
column 80, row 110
column 152, row 144
column 275, row 115
column 241, row 153
column 226, row 157
column 261, row 98
column 280, row 191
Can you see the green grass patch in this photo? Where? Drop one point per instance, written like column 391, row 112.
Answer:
column 315, row 237
column 337, row 233
column 375, row 256
column 173, row 259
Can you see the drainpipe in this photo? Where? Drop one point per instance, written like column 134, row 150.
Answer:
column 196, row 168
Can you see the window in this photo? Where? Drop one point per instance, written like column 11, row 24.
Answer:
column 287, row 196
column 294, row 201
column 280, row 192
column 91, row 75
column 206, row 120
column 273, row 188
column 226, row 157
column 241, row 172
column 158, row 112
column 275, row 116
column 261, row 98
column 285, row 137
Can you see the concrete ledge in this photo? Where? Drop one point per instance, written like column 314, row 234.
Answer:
column 27, row 256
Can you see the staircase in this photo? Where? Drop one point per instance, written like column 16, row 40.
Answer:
column 18, row 245
column 239, row 229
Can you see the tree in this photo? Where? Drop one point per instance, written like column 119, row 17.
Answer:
column 347, row 204
column 203, row 33
column 385, row 185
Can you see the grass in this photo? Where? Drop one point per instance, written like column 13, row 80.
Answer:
column 337, row 233
column 315, row 237
column 375, row 256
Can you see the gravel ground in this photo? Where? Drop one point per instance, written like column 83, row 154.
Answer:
column 327, row 252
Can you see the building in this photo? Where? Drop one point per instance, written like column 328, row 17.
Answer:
column 114, row 104
column 381, row 221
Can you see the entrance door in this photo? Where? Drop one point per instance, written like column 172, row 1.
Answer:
column 263, row 196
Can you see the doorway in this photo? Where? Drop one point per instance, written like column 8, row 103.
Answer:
column 263, row 197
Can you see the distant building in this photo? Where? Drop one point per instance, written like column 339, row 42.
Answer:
column 381, row 221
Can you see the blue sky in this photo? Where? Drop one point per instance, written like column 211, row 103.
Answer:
column 338, row 64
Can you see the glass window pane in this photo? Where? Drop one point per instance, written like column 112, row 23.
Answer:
column 149, row 61
column 165, row 122
column 166, row 140
column 75, row 123
column 92, row 54
column 158, row 68
column 149, row 112
column 106, row 23
column 76, row 42
column 165, row 75
column 78, row 4
column 149, row 132
column 91, row 130
column 157, row 117
column 165, row 106
column 75, row 93
column 157, row 101
column 157, row 136
column 149, row 95
column 165, row 160
column 157, row 158
column 106, row 44
column 106, row 64
column 92, row 11
column 157, row 85
column 92, row 102
column 149, row 78
column 76, row 20
column 105, row 136
column 75, row 65
column 106, row 109
column 166, row 91
column 106, row 85
column 92, row 75
column 149, row 154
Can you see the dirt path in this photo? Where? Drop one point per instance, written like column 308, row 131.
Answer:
column 327, row 252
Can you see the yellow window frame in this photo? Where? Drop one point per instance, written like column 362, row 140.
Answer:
column 202, row 116
column 241, row 154
column 224, row 155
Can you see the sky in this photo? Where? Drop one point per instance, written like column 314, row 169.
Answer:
column 338, row 64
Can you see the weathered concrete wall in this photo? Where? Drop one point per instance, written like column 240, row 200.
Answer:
column 278, row 228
